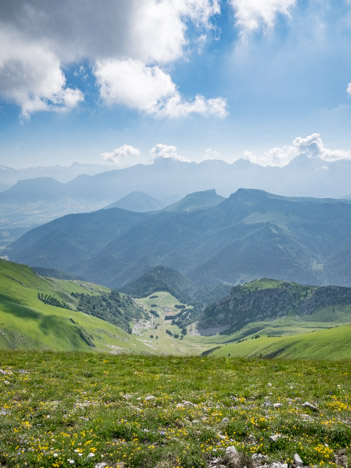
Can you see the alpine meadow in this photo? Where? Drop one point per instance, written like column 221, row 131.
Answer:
column 175, row 233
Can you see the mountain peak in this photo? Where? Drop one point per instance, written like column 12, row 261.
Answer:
column 197, row 201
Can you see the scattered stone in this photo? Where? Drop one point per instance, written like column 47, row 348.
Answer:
column 225, row 420
column 279, row 465
column 232, row 457
column 310, row 406
column 259, row 457
column 277, row 405
column 100, row 465
column 189, row 403
column 150, row 397
column 297, row 460
column 275, row 437
column 307, row 417
column 136, row 408
column 3, row 412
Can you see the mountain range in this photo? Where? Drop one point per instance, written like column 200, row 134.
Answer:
column 9, row 175
column 48, row 193
column 251, row 234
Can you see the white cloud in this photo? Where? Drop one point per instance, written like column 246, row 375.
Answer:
column 30, row 75
column 348, row 89
column 312, row 147
column 46, row 36
column 250, row 15
column 124, row 156
column 149, row 89
column 166, row 151
column 212, row 154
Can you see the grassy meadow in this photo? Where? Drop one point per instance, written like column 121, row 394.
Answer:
column 81, row 409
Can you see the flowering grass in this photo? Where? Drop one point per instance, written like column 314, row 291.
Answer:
column 76, row 409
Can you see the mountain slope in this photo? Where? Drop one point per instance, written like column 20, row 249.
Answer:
column 161, row 278
column 41, row 313
column 72, row 239
column 138, row 201
column 251, row 234
column 332, row 344
column 268, row 299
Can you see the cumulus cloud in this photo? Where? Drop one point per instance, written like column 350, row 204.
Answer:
column 211, row 154
column 166, row 151
column 149, row 89
column 252, row 14
column 30, row 75
column 124, row 156
column 312, row 147
column 348, row 89
column 38, row 39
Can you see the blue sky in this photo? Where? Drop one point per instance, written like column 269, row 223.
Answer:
column 191, row 79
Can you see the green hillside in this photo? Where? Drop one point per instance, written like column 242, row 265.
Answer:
column 161, row 278
column 268, row 299
column 332, row 344
column 40, row 313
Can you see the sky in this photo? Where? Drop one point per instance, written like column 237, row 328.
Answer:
column 123, row 82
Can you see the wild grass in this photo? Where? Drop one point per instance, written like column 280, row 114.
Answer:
column 76, row 409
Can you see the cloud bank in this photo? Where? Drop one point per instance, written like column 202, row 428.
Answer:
column 311, row 147
column 127, row 42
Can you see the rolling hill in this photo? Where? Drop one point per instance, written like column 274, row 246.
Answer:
column 47, row 314
column 332, row 344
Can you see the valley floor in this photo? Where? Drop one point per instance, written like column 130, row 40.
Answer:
column 84, row 409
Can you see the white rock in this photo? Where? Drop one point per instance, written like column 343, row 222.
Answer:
column 277, row 405
column 100, row 465
column 310, row 406
column 297, row 460
column 279, row 465
column 231, row 450
column 275, row 437
column 150, row 397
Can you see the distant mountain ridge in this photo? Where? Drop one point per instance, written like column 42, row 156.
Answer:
column 167, row 177
column 138, row 201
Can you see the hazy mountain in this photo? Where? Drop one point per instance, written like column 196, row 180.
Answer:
column 65, row 243
column 10, row 176
column 167, row 177
column 30, row 203
column 251, row 234
column 197, row 201
column 138, row 201
column 268, row 299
